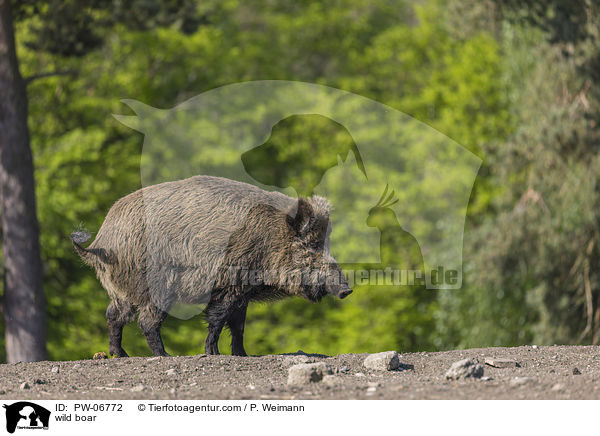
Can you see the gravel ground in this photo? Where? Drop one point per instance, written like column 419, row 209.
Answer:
column 553, row 372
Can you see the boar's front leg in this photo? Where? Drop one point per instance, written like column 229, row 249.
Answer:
column 236, row 326
column 219, row 311
column 149, row 321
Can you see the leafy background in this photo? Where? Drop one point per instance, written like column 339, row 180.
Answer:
column 514, row 82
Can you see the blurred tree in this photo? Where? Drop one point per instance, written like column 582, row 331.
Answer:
column 533, row 260
column 62, row 28
column 23, row 306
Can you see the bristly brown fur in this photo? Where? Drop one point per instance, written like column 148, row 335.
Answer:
column 178, row 242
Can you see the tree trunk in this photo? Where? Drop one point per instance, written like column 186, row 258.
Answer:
column 24, row 303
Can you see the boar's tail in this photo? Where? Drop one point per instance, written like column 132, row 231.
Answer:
column 89, row 256
column 81, row 237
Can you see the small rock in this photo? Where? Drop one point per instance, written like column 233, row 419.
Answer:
column 295, row 360
column 576, row 371
column 306, row 373
column 39, row 381
column 138, row 388
column 2, row 391
column 100, row 355
column 486, row 378
column 535, row 347
column 386, row 361
column 520, row 381
column 55, row 369
column 501, row 363
column 359, row 374
column 77, row 365
column 466, row 368
column 172, row 390
column 171, row 371
column 344, row 369
column 558, row 387
column 24, row 386
column 152, row 359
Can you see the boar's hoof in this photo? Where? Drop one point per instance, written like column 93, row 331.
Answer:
column 118, row 353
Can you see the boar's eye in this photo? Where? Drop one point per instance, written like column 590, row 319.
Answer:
column 316, row 244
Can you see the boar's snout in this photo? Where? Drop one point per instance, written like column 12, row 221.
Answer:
column 340, row 290
column 344, row 292
column 336, row 283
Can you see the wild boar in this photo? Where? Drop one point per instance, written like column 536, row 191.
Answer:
column 213, row 241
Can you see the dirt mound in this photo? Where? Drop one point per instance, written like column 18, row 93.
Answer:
column 528, row 372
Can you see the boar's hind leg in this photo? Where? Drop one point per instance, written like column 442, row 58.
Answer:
column 117, row 315
column 236, row 325
column 149, row 321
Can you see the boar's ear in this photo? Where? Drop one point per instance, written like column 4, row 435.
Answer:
column 304, row 215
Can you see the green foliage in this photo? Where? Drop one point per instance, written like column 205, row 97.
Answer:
column 532, row 261
column 316, row 139
column 512, row 82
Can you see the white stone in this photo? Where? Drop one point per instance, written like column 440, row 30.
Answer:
column 306, row 373
column 386, row 361
column 466, row 368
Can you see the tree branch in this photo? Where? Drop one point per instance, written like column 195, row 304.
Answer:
column 30, row 79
